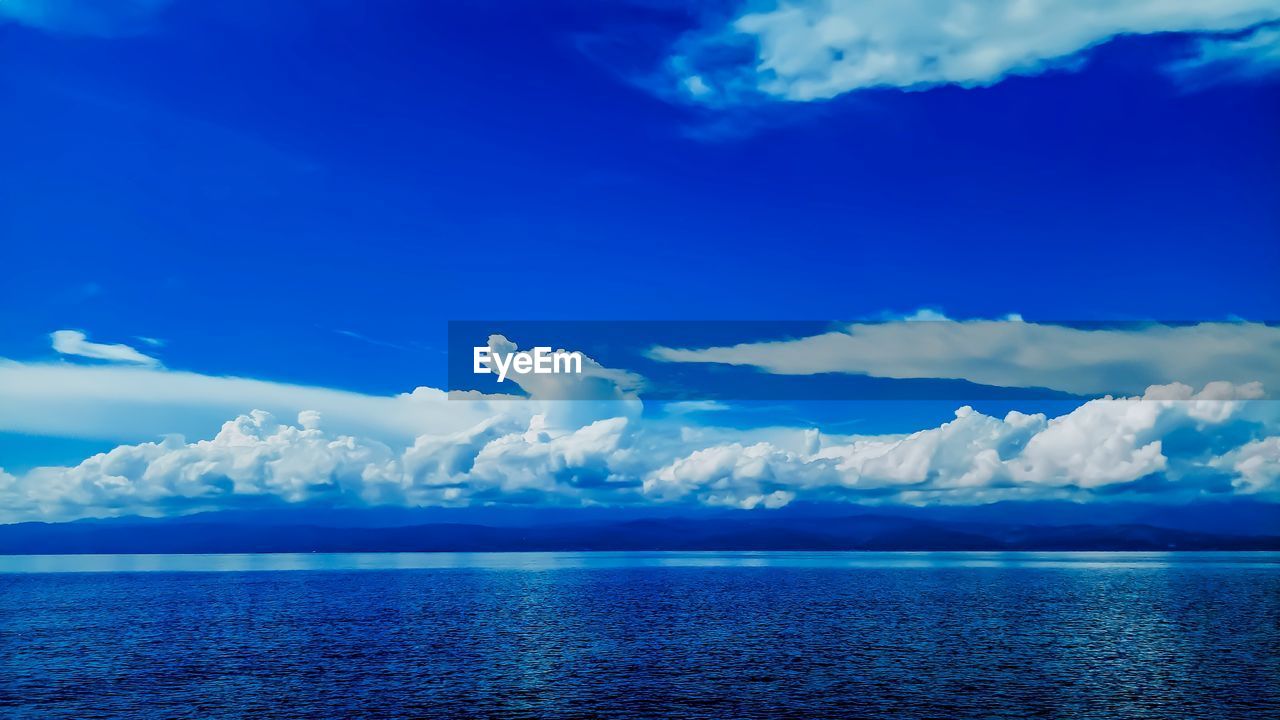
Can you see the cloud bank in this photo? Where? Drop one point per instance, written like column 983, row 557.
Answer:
column 290, row 444
column 805, row 50
column 1171, row 442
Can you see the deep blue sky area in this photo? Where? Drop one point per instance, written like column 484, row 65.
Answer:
column 244, row 180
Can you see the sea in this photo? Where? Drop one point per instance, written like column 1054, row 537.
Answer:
column 642, row 635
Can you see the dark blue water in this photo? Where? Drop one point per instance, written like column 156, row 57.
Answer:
column 715, row 635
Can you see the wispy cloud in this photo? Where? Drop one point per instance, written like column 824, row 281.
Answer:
column 371, row 341
column 103, row 18
column 687, row 407
column 1216, row 59
column 805, row 50
column 132, row 401
column 74, row 342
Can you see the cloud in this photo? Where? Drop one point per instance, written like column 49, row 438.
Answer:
column 687, row 407
column 1250, row 56
column 1014, row 353
column 1102, row 447
column 737, row 475
column 371, row 341
column 582, row 464
column 805, row 50
column 595, row 382
column 255, row 460
column 1171, row 442
column 251, row 458
column 1254, row 466
column 103, row 18
column 425, row 449
column 74, row 342
column 135, row 399
column 129, row 403
column 576, row 399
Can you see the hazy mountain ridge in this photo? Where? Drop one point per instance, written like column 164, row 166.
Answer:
column 762, row 531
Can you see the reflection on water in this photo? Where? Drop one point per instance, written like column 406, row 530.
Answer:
column 708, row 635
column 604, row 560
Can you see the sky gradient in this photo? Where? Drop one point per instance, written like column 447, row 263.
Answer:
column 211, row 209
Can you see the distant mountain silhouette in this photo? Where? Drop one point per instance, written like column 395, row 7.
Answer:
column 741, row 531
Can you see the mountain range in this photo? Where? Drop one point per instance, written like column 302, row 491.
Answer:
column 798, row 529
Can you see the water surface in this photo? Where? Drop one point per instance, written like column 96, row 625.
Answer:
column 717, row 635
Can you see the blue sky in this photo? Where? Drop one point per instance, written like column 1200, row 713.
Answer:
column 305, row 193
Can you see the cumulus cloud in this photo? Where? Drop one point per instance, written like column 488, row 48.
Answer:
column 1171, row 441
column 594, row 382
column 575, row 399
column 426, row 447
column 255, row 460
column 737, row 475
column 537, row 464
column 1254, row 467
column 251, row 457
column 804, row 50
column 598, row 448
column 83, row 17
column 1101, row 447
column 74, row 342
column 500, row 461
column 1013, row 353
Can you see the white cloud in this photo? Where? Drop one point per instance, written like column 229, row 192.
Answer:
column 737, row 475
column 136, row 399
column 926, row 315
column 686, row 407
column 1255, row 466
column 595, row 382
column 74, row 342
column 423, row 449
column 578, row 464
column 251, row 457
column 1014, row 353
column 125, row 403
column 569, row 400
column 83, row 17
column 1103, row 447
column 256, row 460
column 803, row 50
column 499, row 460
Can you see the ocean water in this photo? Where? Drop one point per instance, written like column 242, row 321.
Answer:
column 707, row 635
